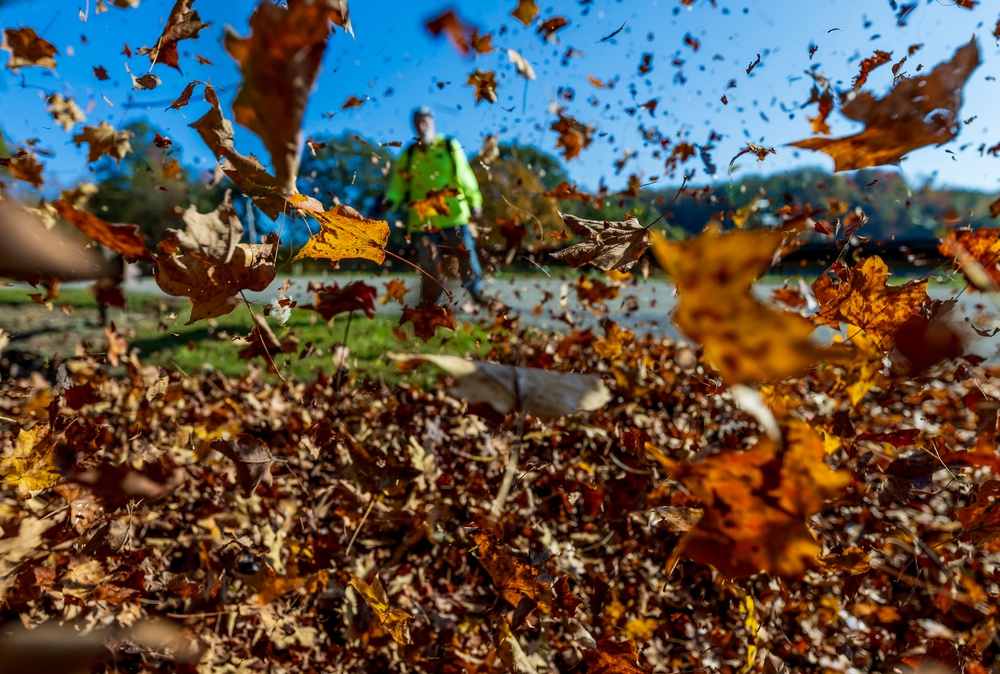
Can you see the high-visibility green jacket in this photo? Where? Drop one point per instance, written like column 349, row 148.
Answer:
column 418, row 173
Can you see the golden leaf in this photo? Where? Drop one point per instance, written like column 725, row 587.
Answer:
column 31, row 466
column 866, row 299
column 393, row 619
column 745, row 340
column 344, row 234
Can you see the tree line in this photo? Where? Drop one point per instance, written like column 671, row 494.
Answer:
column 515, row 180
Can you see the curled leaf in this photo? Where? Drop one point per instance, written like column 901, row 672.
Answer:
column 394, row 620
column 547, row 395
column 607, row 245
column 252, row 459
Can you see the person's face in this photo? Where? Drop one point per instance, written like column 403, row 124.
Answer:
column 424, row 127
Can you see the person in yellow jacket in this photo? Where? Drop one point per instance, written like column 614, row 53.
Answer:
column 436, row 166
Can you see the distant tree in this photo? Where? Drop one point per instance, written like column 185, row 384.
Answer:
column 148, row 185
column 513, row 185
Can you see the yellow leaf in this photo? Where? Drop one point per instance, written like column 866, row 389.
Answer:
column 31, row 466
column 344, row 234
column 753, row 627
column 392, row 619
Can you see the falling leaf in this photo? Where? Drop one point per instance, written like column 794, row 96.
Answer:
column 980, row 247
column 395, row 290
column 101, row 73
column 251, row 458
column 774, row 490
column 550, row 27
column 607, row 245
column 917, row 112
column 185, row 96
column 331, row 300
column 458, row 32
column 525, row 12
column 869, row 64
column 521, row 64
column 262, row 342
column 279, row 63
column 123, row 239
column 24, row 165
column 394, row 620
column 426, row 320
column 435, row 203
column 104, row 140
column 248, row 173
column 27, row 49
column 745, row 340
column 213, row 285
column 352, row 102
column 182, row 24
column 865, row 299
column 981, row 519
column 481, row 44
column 211, row 236
column 506, row 388
column 675, row 519
column 511, row 573
column 574, row 136
column 485, row 82
column 31, row 466
column 752, row 148
column 65, row 111
column 145, row 82
column 344, row 234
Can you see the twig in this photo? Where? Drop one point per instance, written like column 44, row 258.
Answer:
column 340, row 362
column 680, row 190
column 266, row 352
column 364, row 518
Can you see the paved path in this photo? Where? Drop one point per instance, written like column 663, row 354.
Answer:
column 652, row 303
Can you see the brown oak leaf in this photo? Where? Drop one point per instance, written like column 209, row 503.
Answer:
column 426, row 320
column 251, row 458
column 246, row 171
column 279, row 62
column 182, row 24
column 27, row 49
column 574, row 135
column 917, row 112
column 213, row 286
column 104, row 140
column 607, row 245
column 331, row 300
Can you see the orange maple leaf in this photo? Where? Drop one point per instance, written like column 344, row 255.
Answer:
column 864, row 298
column 756, row 505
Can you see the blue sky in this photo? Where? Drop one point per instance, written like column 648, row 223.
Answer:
column 395, row 64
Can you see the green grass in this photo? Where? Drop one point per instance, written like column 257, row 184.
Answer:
column 208, row 345
column 155, row 327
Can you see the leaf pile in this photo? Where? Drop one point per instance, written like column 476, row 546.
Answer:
column 254, row 505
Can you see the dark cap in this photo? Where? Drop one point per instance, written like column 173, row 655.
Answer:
column 423, row 111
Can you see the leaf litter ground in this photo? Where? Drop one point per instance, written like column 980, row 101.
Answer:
column 118, row 508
